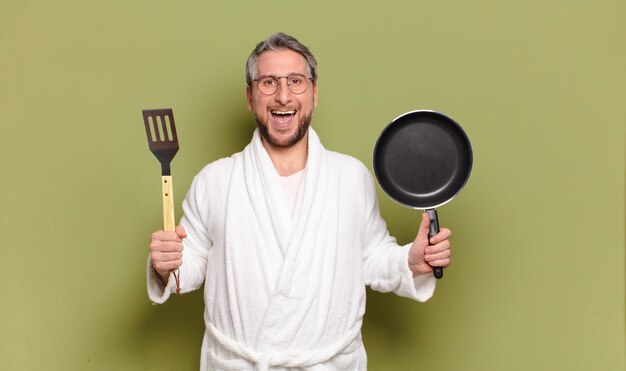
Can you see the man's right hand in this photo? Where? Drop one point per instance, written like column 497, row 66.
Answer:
column 166, row 251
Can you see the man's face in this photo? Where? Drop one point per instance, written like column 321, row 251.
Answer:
column 284, row 117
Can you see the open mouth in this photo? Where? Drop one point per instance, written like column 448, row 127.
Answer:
column 282, row 118
column 283, row 113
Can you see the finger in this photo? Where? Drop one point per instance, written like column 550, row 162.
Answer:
column 164, row 261
column 438, row 247
column 180, row 231
column 167, row 266
column 165, row 236
column 166, row 246
column 422, row 231
column 443, row 263
column 444, row 234
column 437, row 256
column 161, row 256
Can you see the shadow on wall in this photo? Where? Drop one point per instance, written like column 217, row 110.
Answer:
column 227, row 130
column 389, row 325
column 238, row 132
column 175, row 327
column 143, row 336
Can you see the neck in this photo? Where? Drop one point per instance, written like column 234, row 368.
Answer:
column 290, row 160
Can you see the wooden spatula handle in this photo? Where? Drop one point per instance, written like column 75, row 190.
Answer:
column 169, row 223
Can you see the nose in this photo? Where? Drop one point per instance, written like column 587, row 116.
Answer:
column 283, row 95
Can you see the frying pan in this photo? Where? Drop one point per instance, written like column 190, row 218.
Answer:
column 422, row 160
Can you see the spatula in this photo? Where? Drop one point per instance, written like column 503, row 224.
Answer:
column 163, row 143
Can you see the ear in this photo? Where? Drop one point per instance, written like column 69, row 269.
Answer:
column 315, row 94
column 249, row 97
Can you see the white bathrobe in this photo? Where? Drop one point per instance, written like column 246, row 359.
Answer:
column 285, row 292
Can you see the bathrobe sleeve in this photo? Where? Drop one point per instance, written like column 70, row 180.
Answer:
column 196, row 245
column 386, row 266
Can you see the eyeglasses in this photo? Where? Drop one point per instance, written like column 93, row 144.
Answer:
column 268, row 84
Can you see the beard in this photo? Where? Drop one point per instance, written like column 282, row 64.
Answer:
column 303, row 127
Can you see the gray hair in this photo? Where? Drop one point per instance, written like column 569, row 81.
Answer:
column 280, row 41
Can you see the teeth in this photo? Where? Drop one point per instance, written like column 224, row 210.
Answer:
column 283, row 113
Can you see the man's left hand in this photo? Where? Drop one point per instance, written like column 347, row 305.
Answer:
column 422, row 256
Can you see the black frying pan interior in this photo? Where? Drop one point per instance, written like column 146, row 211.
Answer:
column 422, row 159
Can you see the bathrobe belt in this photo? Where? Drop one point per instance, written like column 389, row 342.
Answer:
column 264, row 360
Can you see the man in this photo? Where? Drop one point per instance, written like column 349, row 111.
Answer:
column 285, row 235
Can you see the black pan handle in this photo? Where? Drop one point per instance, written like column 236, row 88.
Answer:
column 432, row 231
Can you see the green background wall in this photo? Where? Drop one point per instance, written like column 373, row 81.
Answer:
column 537, row 281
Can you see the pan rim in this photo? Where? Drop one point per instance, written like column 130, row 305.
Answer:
column 463, row 136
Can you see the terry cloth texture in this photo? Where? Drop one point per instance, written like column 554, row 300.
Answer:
column 284, row 292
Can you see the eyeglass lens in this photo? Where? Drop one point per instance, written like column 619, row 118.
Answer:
column 296, row 82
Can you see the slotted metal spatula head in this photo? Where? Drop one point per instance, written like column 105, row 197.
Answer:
column 162, row 139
